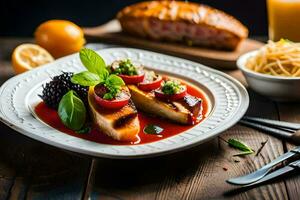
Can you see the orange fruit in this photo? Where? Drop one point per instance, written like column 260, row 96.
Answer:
column 59, row 37
column 28, row 56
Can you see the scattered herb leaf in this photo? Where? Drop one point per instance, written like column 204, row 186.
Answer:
column 71, row 111
column 243, row 153
column 239, row 145
column 153, row 129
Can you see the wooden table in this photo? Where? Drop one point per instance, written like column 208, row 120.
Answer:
column 33, row 170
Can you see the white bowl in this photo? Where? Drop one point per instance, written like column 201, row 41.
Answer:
column 277, row 88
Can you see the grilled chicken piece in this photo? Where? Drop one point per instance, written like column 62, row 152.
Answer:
column 189, row 22
column 185, row 111
column 121, row 124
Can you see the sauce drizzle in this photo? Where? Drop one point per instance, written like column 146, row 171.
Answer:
column 50, row 117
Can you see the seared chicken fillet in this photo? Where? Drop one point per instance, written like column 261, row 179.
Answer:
column 121, row 124
column 178, row 21
column 185, row 111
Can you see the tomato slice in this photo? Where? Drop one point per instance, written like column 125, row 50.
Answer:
column 112, row 104
column 134, row 79
column 172, row 97
column 152, row 85
column 116, row 103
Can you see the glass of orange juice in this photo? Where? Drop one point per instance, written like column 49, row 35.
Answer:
column 284, row 19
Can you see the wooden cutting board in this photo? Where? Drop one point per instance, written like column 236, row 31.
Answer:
column 111, row 33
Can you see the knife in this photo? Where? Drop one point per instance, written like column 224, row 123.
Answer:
column 275, row 123
column 278, row 173
column 262, row 172
column 282, row 133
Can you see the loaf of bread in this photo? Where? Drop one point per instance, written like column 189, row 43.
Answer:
column 179, row 21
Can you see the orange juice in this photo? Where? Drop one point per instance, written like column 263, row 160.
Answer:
column 284, row 19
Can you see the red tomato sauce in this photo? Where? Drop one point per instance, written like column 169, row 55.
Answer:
column 50, row 117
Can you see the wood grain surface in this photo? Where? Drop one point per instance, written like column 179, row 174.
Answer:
column 291, row 112
column 34, row 170
column 111, row 32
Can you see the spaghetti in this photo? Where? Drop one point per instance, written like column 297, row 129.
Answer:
column 280, row 58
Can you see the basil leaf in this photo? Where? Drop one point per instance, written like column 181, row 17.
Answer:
column 86, row 79
column 104, row 74
column 239, row 145
column 71, row 111
column 153, row 129
column 84, row 130
column 93, row 62
column 114, row 80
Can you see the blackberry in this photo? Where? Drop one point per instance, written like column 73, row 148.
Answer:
column 81, row 91
column 58, row 87
column 53, row 92
column 65, row 77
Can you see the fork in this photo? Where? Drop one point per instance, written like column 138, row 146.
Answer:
column 262, row 172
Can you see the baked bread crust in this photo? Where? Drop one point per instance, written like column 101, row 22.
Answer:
column 139, row 19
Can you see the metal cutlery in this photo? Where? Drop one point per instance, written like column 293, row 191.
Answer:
column 276, row 123
column 278, row 173
column 262, row 172
column 285, row 130
column 288, row 170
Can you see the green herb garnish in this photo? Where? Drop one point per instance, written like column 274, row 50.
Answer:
column 71, row 111
column 86, row 78
column 92, row 61
column 85, row 130
column 126, row 67
column 97, row 74
column 153, row 129
column 171, row 87
column 243, row 153
column 113, row 84
column 241, row 146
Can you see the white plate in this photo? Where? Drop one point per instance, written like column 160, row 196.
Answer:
column 229, row 100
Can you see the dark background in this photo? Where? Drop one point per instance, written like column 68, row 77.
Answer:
column 21, row 17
